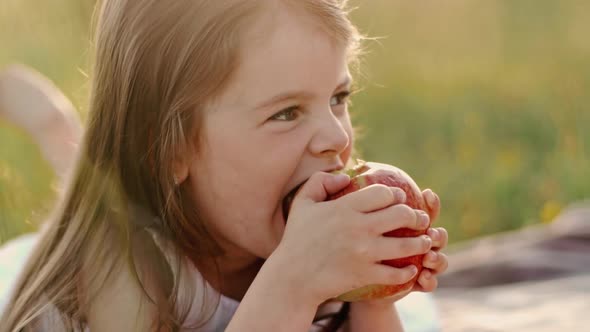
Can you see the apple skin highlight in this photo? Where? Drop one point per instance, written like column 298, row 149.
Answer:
column 366, row 174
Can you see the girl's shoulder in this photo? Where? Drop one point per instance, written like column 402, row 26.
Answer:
column 197, row 298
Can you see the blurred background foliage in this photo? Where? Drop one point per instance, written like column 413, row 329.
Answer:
column 484, row 102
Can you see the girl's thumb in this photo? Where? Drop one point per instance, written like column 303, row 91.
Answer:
column 321, row 185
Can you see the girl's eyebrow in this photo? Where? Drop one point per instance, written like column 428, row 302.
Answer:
column 301, row 95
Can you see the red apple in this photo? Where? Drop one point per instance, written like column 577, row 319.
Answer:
column 366, row 174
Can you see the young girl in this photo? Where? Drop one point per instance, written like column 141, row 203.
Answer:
column 204, row 116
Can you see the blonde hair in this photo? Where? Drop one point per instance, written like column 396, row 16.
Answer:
column 157, row 66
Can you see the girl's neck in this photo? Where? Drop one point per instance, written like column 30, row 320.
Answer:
column 231, row 276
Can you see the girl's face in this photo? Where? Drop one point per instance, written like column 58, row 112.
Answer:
column 282, row 117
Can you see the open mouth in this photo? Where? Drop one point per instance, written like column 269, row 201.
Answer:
column 288, row 200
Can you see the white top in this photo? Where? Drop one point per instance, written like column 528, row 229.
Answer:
column 418, row 311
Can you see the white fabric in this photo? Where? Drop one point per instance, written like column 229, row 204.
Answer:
column 418, row 311
column 13, row 256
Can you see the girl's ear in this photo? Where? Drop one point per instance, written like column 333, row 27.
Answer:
column 180, row 170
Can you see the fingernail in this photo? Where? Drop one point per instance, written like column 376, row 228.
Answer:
column 430, row 198
column 428, row 241
column 413, row 270
column 432, row 256
column 434, row 235
column 426, row 274
column 424, row 220
column 341, row 177
column 400, row 195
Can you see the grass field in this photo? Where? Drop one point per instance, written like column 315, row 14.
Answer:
column 485, row 102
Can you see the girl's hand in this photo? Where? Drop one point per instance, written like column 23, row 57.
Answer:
column 331, row 247
column 434, row 263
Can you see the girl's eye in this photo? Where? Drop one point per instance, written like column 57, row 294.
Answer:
column 288, row 114
column 339, row 99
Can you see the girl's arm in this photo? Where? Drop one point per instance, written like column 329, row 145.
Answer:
column 272, row 304
column 374, row 317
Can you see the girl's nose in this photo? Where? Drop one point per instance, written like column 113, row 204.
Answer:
column 332, row 136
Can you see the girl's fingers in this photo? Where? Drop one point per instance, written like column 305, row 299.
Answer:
column 387, row 248
column 432, row 203
column 373, row 198
column 436, row 261
column 439, row 236
column 427, row 281
column 398, row 216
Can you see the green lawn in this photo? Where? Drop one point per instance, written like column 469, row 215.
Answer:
column 484, row 102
